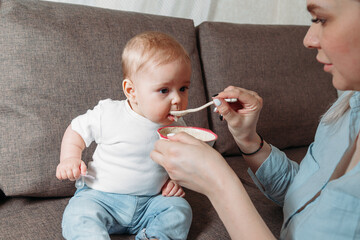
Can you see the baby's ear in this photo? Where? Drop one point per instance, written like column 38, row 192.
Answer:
column 129, row 89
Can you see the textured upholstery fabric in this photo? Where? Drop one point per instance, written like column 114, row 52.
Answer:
column 32, row 218
column 2, row 195
column 272, row 61
column 57, row 61
column 41, row 218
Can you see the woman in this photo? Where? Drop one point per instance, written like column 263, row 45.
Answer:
column 321, row 197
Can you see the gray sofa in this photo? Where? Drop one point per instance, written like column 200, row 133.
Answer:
column 57, row 60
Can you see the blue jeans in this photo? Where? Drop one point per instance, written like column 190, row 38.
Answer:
column 93, row 214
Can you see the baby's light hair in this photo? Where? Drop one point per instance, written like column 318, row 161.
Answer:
column 151, row 48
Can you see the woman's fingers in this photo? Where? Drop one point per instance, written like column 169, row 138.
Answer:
column 248, row 99
column 224, row 109
column 242, row 115
column 188, row 161
column 171, row 148
column 157, row 155
column 183, row 137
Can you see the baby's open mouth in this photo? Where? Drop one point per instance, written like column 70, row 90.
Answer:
column 172, row 118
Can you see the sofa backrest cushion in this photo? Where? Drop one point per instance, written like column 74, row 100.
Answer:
column 56, row 61
column 272, row 61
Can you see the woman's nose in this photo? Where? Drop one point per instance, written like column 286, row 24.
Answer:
column 311, row 39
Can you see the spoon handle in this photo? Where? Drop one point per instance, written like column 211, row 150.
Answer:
column 198, row 108
column 183, row 112
column 210, row 103
column 80, row 183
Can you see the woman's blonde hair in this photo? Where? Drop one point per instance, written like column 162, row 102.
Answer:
column 338, row 109
column 151, row 48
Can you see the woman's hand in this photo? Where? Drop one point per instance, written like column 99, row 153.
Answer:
column 241, row 116
column 197, row 166
column 191, row 163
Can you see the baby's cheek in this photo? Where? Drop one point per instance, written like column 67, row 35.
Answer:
column 184, row 103
column 162, row 110
column 160, row 116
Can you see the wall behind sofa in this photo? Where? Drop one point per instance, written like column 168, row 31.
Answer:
column 244, row 11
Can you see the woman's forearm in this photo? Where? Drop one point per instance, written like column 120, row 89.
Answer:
column 254, row 161
column 236, row 210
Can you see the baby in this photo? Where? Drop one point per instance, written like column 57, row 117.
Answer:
column 123, row 197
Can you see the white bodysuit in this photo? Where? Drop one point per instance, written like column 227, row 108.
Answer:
column 121, row 162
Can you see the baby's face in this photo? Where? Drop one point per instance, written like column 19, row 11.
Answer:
column 161, row 89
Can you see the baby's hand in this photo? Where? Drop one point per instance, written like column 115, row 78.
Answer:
column 70, row 168
column 171, row 188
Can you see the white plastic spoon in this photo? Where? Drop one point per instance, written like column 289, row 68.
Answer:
column 80, row 183
column 177, row 114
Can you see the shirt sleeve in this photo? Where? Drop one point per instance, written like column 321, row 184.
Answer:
column 275, row 175
column 88, row 125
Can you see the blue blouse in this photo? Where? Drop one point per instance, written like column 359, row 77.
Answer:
column 335, row 213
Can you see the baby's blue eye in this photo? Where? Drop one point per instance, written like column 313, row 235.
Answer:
column 183, row 89
column 164, row 90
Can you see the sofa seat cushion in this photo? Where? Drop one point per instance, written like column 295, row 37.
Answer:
column 272, row 61
column 33, row 218
column 58, row 60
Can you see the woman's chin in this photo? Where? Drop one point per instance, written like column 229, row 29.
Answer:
column 342, row 85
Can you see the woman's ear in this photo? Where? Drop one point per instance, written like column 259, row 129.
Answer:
column 129, row 89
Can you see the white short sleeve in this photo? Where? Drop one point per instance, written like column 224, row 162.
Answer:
column 88, row 125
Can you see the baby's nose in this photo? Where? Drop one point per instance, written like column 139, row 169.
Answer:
column 176, row 99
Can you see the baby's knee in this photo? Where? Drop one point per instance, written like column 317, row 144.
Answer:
column 170, row 218
column 180, row 209
column 184, row 208
column 85, row 216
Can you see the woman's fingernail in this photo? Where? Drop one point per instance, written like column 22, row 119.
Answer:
column 215, row 95
column 217, row 102
column 221, row 117
column 215, row 109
